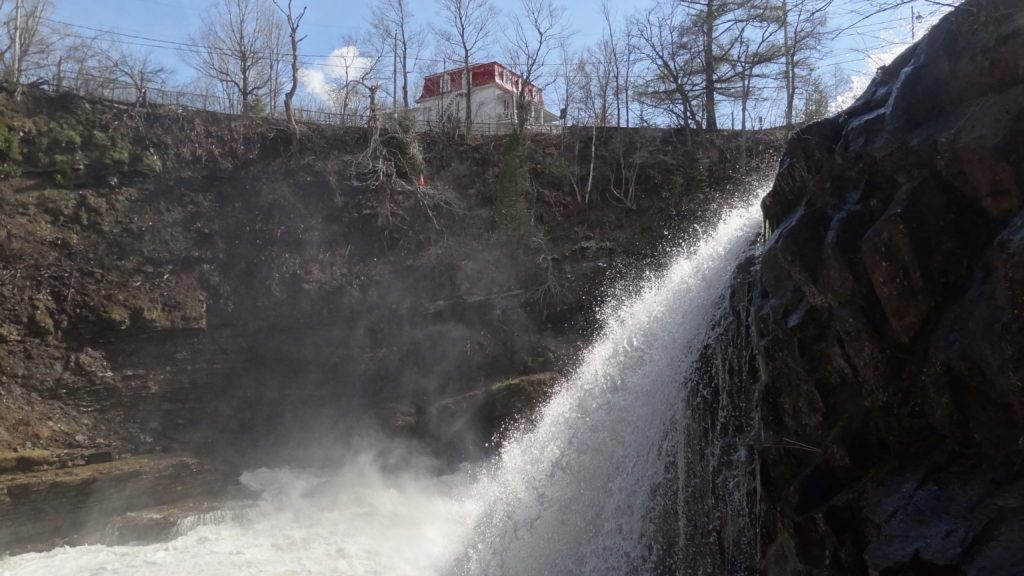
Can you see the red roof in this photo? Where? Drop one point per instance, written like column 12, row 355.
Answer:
column 482, row 74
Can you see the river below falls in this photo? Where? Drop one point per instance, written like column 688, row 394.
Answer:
column 367, row 518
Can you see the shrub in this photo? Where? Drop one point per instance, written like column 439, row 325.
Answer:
column 10, row 151
column 403, row 147
column 513, row 183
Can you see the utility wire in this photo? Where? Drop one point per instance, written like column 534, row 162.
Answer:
column 306, row 59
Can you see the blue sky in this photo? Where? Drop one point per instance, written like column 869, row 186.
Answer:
column 329, row 21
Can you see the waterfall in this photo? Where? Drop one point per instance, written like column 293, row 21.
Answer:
column 599, row 486
column 580, row 493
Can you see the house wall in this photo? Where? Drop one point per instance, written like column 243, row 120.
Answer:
column 488, row 109
column 494, row 87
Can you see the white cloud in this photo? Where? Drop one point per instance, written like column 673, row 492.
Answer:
column 314, row 82
column 344, row 64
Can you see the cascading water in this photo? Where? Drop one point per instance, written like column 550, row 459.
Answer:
column 578, row 493
column 572, row 495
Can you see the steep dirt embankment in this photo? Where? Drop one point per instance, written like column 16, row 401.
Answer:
column 891, row 318
column 184, row 282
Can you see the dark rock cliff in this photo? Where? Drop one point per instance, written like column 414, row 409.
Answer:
column 890, row 319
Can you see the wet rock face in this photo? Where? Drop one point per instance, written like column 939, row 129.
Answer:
column 714, row 521
column 890, row 319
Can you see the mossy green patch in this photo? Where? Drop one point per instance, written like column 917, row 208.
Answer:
column 10, row 150
column 114, row 315
column 513, row 183
column 72, row 143
column 108, row 150
column 58, row 202
column 40, row 322
column 22, row 460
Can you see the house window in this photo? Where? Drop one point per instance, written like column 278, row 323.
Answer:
column 507, row 105
column 506, row 77
column 446, row 83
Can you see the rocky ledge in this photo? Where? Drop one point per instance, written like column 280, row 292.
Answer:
column 891, row 318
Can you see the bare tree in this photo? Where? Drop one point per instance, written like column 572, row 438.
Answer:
column 568, row 82
column 79, row 63
column 138, row 69
column 355, row 80
column 533, row 35
column 717, row 21
column 620, row 47
column 26, row 46
column 392, row 21
column 757, row 47
column 280, row 69
column 466, row 27
column 816, row 99
column 803, row 27
column 294, row 20
column 204, row 93
column 239, row 49
column 614, row 48
column 674, row 81
column 597, row 84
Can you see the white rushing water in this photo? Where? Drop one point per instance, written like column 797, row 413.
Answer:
column 383, row 513
column 569, row 496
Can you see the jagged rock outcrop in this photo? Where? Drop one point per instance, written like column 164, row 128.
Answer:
column 891, row 318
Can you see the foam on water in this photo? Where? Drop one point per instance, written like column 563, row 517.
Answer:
column 365, row 519
column 570, row 496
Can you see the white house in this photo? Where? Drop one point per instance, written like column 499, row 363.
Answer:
column 495, row 89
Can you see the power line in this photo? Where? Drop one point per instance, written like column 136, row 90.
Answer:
column 306, row 59
column 326, row 65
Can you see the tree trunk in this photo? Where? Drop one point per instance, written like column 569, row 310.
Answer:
column 789, row 68
column 245, row 94
column 288, row 112
column 629, row 59
column 711, row 122
column 405, row 71
column 394, row 72
column 593, row 148
column 745, row 99
column 467, row 77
